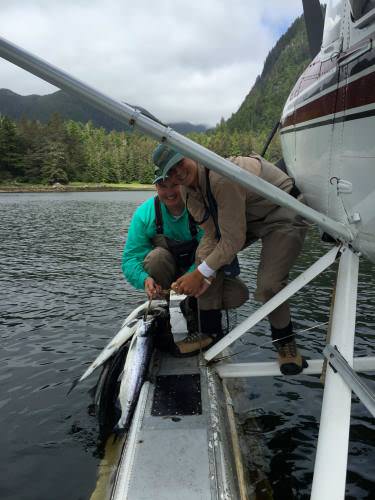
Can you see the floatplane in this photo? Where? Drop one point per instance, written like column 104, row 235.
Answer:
column 190, row 446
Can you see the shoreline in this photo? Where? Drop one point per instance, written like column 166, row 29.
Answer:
column 75, row 189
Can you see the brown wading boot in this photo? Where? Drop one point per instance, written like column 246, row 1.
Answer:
column 193, row 344
column 195, row 341
column 290, row 360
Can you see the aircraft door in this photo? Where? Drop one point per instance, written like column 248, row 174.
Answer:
column 315, row 114
column 334, row 38
column 355, row 120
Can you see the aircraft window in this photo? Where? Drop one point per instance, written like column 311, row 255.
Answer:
column 332, row 22
column 360, row 8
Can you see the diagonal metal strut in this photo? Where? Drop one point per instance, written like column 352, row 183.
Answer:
column 357, row 385
column 155, row 129
column 293, row 287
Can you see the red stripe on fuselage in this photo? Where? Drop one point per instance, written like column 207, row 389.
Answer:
column 358, row 93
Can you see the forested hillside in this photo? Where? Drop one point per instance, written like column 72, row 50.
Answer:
column 69, row 151
column 262, row 107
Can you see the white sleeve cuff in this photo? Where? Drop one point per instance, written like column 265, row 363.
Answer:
column 206, row 270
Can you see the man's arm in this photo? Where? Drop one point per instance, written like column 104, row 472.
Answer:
column 231, row 202
column 137, row 246
column 231, row 205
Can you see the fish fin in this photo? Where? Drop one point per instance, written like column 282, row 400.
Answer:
column 75, row 382
column 131, row 323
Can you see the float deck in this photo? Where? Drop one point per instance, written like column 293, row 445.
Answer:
column 182, row 442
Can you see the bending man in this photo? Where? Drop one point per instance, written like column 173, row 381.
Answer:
column 233, row 217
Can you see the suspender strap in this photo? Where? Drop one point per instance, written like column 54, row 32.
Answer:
column 212, row 205
column 206, row 213
column 192, row 226
column 295, row 192
column 158, row 216
column 159, row 219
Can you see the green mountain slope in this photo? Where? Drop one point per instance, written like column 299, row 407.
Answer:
column 41, row 108
column 262, row 107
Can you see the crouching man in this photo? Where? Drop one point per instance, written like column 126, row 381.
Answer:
column 232, row 218
column 160, row 247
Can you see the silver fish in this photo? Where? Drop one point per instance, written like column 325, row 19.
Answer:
column 135, row 371
column 127, row 330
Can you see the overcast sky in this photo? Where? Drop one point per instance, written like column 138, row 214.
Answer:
column 183, row 60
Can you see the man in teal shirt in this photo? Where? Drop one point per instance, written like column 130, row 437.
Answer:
column 160, row 247
column 155, row 254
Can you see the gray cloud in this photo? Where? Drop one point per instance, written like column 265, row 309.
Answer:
column 183, row 60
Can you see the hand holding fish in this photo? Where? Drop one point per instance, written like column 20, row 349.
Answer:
column 193, row 283
column 152, row 289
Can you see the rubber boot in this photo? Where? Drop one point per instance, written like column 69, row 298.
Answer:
column 211, row 323
column 164, row 340
column 189, row 309
column 290, row 360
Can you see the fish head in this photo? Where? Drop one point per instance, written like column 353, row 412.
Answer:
column 145, row 327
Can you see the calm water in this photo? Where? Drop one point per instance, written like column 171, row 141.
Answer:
column 62, row 296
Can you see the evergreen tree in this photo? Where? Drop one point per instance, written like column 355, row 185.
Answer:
column 76, row 165
column 33, row 137
column 11, row 150
column 54, row 163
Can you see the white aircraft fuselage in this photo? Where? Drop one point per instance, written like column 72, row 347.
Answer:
column 327, row 125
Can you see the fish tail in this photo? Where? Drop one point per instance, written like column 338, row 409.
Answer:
column 119, row 433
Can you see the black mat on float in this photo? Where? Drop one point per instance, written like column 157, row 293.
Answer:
column 177, row 395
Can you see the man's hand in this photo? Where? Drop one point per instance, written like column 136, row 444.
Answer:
column 152, row 289
column 193, row 283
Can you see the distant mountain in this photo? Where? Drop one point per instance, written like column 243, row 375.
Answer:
column 37, row 107
column 262, row 107
column 186, row 127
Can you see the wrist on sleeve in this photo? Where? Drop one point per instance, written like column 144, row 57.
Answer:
column 192, row 268
column 206, row 270
column 143, row 278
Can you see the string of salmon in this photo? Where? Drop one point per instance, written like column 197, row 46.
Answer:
column 260, row 347
column 147, row 310
column 163, row 293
